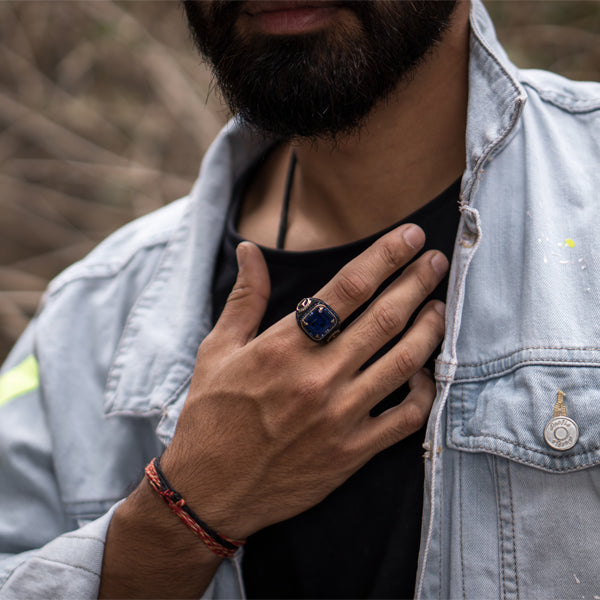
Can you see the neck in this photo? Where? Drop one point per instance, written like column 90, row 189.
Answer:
column 410, row 149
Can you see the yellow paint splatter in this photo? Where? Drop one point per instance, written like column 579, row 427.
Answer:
column 569, row 242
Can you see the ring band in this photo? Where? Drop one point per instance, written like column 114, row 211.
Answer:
column 317, row 320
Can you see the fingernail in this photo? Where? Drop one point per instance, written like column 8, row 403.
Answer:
column 240, row 253
column 439, row 263
column 440, row 307
column 414, row 236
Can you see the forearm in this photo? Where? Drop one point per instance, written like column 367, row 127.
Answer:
column 151, row 554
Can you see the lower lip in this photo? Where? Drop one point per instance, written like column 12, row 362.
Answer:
column 295, row 20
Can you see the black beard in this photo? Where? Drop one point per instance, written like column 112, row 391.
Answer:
column 320, row 85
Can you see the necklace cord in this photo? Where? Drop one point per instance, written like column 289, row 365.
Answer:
column 285, row 206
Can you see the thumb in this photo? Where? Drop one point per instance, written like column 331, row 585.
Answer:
column 247, row 301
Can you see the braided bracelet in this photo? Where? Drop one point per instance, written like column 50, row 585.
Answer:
column 221, row 545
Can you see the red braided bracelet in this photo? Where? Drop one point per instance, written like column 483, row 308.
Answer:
column 221, row 545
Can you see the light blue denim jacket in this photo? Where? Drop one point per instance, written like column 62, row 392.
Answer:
column 505, row 515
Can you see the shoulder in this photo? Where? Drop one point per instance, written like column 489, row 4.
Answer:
column 139, row 242
column 575, row 97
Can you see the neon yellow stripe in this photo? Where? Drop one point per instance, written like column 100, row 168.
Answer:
column 23, row 378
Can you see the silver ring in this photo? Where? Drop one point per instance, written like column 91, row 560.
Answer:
column 317, row 320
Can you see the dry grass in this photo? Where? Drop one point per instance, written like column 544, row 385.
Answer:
column 105, row 113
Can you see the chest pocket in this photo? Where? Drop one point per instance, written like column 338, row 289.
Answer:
column 508, row 416
column 527, row 524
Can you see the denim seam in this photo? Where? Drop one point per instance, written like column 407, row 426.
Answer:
column 50, row 560
column 84, row 537
column 110, row 501
column 176, row 393
column 514, row 533
column 505, row 356
column 562, row 101
column 500, row 529
column 141, row 303
column 105, row 270
column 60, row 562
column 440, row 562
column 460, row 524
column 6, row 577
column 160, row 273
column 533, row 361
column 517, row 444
column 458, row 445
column 495, row 451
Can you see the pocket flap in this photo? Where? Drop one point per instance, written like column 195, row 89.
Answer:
column 507, row 416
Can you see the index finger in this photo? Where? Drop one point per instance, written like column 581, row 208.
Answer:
column 358, row 280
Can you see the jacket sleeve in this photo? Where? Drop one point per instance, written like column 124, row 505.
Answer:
column 42, row 554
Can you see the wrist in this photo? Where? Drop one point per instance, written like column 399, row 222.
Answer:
column 146, row 516
column 221, row 545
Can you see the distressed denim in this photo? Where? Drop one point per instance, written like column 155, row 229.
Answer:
column 505, row 515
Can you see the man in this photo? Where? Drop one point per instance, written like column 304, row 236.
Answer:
column 352, row 122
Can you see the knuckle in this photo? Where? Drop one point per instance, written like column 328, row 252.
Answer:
column 423, row 281
column 310, row 389
column 410, row 419
column 240, row 291
column 405, row 362
column 385, row 319
column 341, row 453
column 388, row 253
column 353, row 287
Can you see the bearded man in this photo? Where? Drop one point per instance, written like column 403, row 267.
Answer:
column 272, row 336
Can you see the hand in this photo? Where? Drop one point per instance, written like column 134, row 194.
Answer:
column 272, row 424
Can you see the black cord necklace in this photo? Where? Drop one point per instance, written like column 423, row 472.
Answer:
column 283, row 218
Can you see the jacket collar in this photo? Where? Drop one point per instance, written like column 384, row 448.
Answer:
column 496, row 98
column 153, row 364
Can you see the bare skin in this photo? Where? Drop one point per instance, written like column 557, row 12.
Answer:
column 274, row 423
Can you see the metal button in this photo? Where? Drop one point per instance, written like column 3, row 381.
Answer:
column 561, row 432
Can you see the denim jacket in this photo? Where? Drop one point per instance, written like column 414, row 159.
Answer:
column 93, row 389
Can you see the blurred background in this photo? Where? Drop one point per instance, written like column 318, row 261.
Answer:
column 106, row 111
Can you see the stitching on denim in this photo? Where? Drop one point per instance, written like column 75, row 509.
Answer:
column 83, row 537
column 8, row 575
column 533, row 361
column 513, row 443
column 463, row 412
column 104, row 270
column 460, row 523
column 50, row 560
column 141, row 303
column 60, row 562
column 125, row 338
column 105, row 501
column 563, row 101
column 176, row 393
column 440, row 563
column 500, row 528
column 518, row 444
column 517, row 105
column 514, row 531
column 518, row 459
column 505, row 356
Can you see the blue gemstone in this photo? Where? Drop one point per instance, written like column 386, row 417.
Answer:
column 319, row 322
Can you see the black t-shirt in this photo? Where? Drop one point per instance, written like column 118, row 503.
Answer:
column 362, row 541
